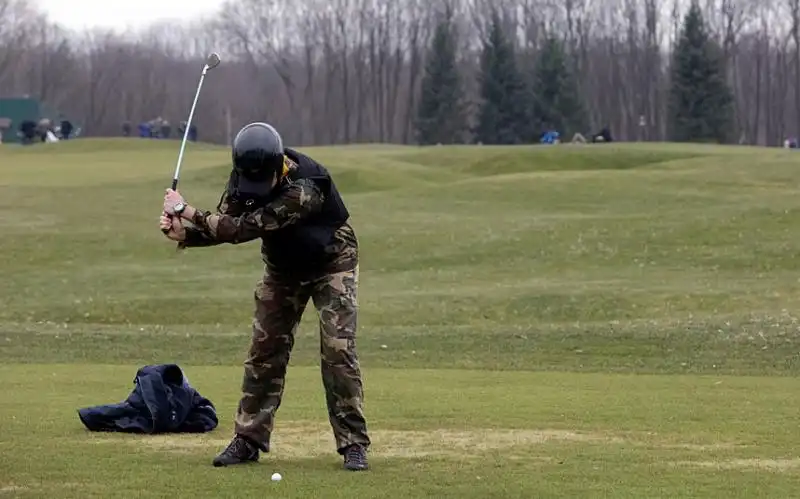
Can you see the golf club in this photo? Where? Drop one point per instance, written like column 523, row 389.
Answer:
column 212, row 61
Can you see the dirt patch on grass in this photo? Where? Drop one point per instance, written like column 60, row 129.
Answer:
column 19, row 220
column 702, row 447
column 308, row 441
column 756, row 464
column 10, row 489
column 38, row 486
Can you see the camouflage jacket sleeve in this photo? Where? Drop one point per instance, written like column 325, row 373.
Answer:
column 301, row 199
column 197, row 237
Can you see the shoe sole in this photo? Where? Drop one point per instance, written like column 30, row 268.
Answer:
column 219, row 464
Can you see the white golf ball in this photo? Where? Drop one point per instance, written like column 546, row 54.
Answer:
column 276, row 477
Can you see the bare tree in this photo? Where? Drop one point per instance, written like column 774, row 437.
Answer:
column 17, row 22
column 261, row 33
column 346, row 71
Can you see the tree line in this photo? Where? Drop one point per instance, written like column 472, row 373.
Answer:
column 429, row 71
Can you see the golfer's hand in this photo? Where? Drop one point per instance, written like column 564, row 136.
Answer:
column 171, row 198
column 174, row 227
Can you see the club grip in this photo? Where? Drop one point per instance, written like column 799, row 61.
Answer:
column 174, row 186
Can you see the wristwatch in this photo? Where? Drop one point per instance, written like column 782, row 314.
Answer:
column 178, row 207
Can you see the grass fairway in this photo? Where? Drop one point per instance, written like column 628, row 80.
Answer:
column 573, row 321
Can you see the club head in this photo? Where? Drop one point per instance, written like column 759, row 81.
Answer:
column 212, row 61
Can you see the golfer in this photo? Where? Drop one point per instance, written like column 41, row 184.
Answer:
column 310, row 251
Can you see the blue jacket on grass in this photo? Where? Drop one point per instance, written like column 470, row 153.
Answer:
column 162, row 401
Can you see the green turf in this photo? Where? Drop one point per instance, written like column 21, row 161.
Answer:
column 610, row 320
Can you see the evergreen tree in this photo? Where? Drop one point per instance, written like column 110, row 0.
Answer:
column 502, row 114
column 441, row 114
column 557, row 99
column 701, row 102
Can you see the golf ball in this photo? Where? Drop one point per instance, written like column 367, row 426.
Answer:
column 276, row 477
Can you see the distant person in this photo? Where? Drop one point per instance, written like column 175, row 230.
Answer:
column 126, row 129
column 154, row 127
column 44, row 126
column 310, row 251
column 166, row 129
column 192, row 135
column 27, row 131
column 604, row 135
column 66, row 129
column 550, row 137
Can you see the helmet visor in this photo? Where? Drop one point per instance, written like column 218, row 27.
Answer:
column 253, row 188
column 255, row 178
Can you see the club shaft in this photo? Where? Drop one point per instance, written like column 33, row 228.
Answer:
column 186, row 134
column 186, row 131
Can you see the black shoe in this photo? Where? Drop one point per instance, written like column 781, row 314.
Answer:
column 240, row 450
column 355, row 458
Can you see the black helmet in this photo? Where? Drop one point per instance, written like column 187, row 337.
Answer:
column 257, row 158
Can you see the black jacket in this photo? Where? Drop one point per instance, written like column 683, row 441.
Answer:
column 306, row 245
column 162, row 401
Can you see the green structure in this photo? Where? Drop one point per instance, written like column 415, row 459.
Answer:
column 14, row 111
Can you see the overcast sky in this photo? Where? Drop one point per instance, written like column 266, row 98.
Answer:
column 78, row 14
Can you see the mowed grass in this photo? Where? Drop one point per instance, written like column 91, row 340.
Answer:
column 572, row 321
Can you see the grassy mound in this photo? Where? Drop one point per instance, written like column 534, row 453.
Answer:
column 506, row 296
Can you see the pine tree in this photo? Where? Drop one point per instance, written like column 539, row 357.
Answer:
column 701, row 102
column 441, row 114
column 557, row 99
column 502, row 114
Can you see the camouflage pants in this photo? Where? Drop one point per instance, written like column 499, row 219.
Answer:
column 280, row 304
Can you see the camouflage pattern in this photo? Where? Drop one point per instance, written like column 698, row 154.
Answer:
column 280, row 303
column 345, row 245
column 280, row 300
column 198, row 237
column 231, row 224
column 300, row 199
